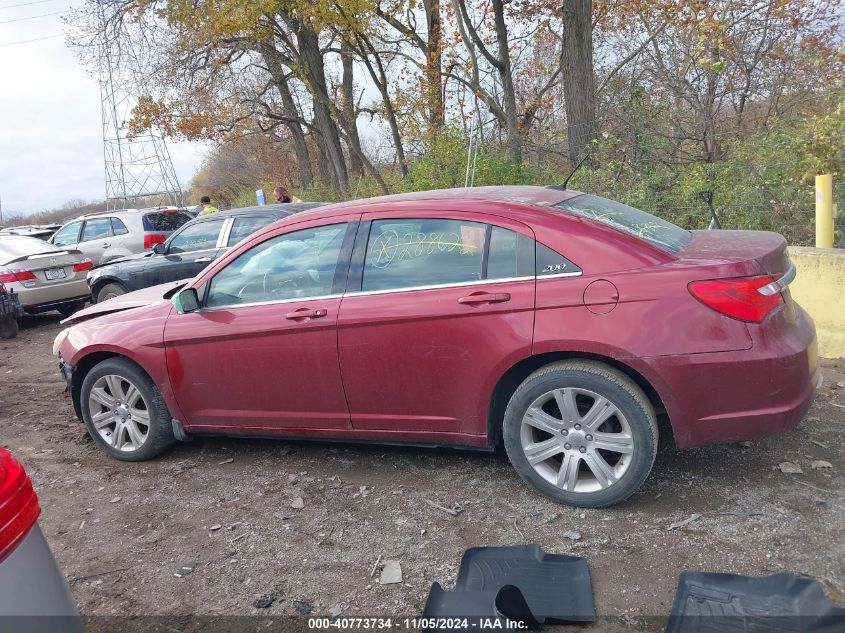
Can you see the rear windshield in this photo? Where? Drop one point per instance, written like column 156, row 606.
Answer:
column 649, row 228
column 165, row 220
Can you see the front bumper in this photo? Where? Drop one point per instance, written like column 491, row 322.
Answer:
column 66, row 371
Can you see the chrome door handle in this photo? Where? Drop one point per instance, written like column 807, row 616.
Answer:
column 202, row 259
column 485, row 297
column 306, row 313
column 106, row 245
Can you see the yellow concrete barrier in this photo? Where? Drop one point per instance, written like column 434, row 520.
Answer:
column 820, row 289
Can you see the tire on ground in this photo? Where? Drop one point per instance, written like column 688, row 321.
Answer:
column 160, row 436
column 603, row 380
column 110, row 291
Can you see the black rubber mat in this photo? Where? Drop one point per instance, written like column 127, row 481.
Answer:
column 727, row 603
column 501, row 581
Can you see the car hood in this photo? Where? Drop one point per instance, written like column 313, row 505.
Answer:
column 137, row 299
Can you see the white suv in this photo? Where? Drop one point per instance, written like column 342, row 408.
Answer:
column 111, row 235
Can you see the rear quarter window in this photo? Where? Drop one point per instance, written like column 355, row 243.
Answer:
column 165, row 221
column 645, row 226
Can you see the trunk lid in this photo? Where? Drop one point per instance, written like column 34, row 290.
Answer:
column 751, row 252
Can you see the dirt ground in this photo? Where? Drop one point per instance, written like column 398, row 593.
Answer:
column 121, row 530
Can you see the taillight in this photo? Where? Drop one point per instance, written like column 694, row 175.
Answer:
column 153, row 238
column 8, row 276
column 739, row 298
column 85, row 264
column 18, row 503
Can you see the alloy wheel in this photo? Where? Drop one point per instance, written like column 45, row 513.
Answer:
column 577, row 440
column 119, row 412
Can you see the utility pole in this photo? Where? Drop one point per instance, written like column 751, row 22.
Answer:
column 140, row 166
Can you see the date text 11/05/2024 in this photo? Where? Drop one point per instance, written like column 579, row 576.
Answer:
column 456, row 624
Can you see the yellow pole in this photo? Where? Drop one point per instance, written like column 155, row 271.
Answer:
column 824, row 211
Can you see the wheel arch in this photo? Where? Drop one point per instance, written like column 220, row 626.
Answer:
column 83, row 367
column 516, row 374
column 104, row 281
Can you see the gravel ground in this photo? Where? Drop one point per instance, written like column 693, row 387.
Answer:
column 121, row 530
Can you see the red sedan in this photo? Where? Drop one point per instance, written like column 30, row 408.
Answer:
column 559, row 324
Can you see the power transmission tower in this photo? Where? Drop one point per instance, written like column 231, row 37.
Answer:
column 137, row 167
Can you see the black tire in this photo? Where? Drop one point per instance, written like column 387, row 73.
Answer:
column 160, row 431
column 66, row 309
column 110, row 291
column 8, row 327
column 607, row 382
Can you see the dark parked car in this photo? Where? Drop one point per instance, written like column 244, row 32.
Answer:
column 557, row 323
column 190, row 249
column 33, row 593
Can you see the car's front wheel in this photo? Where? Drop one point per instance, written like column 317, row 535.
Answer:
column 124, row 411
column 110, row 291
column 582, row 433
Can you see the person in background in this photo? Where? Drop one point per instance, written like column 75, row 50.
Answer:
column 207, row 208
column 283, row 195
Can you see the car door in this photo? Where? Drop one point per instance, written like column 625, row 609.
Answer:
column 260, row 355
column 190, row 250
column 438, row 307
column 95, row 238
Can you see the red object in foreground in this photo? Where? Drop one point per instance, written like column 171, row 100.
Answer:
column 18, row 504
column 560, row 324
column 151, row 239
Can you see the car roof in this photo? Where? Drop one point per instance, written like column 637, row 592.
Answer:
column 523, row 195
column 275, row 210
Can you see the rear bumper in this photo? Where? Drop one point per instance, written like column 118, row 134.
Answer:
column 35, row 595
column 48, row 297
column 741, row 395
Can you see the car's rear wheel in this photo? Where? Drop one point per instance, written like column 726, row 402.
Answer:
column 110, row 291
column 124, row 411
column 582, row 433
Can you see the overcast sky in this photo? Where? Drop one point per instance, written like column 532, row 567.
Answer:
column 51, row 147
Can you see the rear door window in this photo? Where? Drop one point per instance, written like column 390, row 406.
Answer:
column 96, row 229
column 67, row 235
column 408, row 253
column 295, row 265
column 511, row 255
column 197, row 237
column 244, row 226
column 164, row 221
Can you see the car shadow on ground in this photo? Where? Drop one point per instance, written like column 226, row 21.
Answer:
column 35, row 321
column 710, row 478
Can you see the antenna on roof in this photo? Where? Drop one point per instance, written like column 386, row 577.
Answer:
column 562, row 187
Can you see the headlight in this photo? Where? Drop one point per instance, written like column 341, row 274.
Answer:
column 59, row 340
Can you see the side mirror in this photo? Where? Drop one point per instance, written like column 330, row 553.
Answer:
column 186, row 300
column 158, row 248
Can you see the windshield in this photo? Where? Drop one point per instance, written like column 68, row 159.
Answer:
column 649, row 228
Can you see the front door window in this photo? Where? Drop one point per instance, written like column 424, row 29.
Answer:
column 295, row 265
